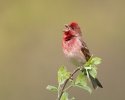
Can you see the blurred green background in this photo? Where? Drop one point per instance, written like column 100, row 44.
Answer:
column 31, row 53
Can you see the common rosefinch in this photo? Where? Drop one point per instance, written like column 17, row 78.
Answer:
column 76, row 50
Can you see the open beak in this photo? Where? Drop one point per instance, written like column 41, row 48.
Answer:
column 67, row 28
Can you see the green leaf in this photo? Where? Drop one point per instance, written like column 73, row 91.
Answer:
column 52, row 88
column 90, row 59
column 93, row 61
column 72, row 98
column 62, row 75
column 73, row 83
column 62, row 69
column 84, row 87
column 93, row 72
column 96, row 61
column 64, row 96
column 88, row 63
column 81, row 82
column 66, row 75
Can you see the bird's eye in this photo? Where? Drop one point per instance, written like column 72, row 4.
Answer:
column 72, row 28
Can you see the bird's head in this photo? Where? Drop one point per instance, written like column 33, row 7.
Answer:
column 74, row 28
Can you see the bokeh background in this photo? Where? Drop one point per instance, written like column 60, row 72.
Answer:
column 31, row 53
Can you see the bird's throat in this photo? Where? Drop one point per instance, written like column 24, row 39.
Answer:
column 68, row 38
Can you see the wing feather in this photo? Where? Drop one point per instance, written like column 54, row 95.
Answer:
column 85, row 51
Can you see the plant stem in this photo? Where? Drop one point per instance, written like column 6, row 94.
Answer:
column 58, row 90
column 70, row 77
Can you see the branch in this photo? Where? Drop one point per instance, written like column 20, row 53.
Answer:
column 70, row 77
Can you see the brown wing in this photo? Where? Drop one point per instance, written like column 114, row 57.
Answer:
column 85, row 51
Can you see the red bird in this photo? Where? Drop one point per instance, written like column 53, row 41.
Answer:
column 76, row 50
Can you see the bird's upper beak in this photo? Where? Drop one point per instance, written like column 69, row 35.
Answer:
column 67, row 28
column 66, row 25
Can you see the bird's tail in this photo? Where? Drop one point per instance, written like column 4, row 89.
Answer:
column 95, row 82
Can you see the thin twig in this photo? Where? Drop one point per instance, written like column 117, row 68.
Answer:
column 70, row 77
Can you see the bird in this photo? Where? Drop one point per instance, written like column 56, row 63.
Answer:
column 76, row 50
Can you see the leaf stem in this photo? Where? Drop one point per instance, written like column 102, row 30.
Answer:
column 58, row 90
column 68, row 88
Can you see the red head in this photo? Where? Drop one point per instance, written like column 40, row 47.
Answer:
column 73, row 24
column 75, row 27
column 72, row 30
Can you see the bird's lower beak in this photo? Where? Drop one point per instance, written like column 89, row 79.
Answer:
column 65, row 30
